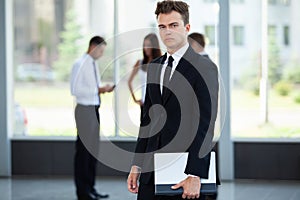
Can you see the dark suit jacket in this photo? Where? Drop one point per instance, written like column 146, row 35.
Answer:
column 181, row 120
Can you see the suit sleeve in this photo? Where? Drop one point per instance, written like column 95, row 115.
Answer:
column 143, row 132
column 206, row 89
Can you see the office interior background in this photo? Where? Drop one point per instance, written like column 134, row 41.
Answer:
column 254, row 43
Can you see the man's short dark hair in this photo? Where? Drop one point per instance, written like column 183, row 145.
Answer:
column 197, row 37
column 96, row 40
column 167, row 6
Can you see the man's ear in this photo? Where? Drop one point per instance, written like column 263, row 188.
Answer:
column 187, row 27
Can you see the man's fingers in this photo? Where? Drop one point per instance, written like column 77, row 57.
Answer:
column 133, row 189
column 174, row 187
column 187, row 195
column 178, row 185
column 129, row 184
column 133, row 179
column 132, row 184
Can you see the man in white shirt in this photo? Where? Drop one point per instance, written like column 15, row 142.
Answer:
column 86, row 87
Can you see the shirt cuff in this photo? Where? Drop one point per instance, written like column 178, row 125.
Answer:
column 191, row 175
column 135, row 169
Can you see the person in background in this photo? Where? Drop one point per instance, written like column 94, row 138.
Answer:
column 86, row 87
column 151, row 50
column 197, row 41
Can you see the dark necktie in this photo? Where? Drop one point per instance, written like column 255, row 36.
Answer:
column 167, row 74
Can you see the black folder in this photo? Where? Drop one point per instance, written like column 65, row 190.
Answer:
column 169, row 170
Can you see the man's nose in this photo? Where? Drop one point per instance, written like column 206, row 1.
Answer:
column 168, row 30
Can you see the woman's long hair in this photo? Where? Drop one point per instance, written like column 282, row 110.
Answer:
column 155, row 49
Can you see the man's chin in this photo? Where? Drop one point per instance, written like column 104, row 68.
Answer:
column 170, row 44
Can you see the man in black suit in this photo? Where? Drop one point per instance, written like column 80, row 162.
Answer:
column 180, row 108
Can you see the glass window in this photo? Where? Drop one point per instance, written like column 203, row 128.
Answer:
column 48, row 37
column 237, row 1
column 285, row 2
column 286, row 35
column 210, row 1
column 128, row 114
column 283, row 104
column 238, row 35
column 36, row 36
column 280, row 2
column 272, row 2
column 210, row 33
column 272, row 31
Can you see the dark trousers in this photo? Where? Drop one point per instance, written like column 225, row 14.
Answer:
column 87, row 123
column 146, row 192
column 84, row 169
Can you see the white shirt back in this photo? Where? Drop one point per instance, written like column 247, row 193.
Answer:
column 84, row 79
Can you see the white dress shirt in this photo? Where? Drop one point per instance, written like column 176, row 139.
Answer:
column 176, row 56
column 85, row 81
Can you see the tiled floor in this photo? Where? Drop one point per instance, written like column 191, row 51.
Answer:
column 62, row 188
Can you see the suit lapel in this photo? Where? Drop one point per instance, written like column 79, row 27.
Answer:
column 156, row 79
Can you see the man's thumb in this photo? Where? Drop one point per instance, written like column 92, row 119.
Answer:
column 174, row 187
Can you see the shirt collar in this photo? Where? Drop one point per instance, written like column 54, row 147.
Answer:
column 89, row 58
column 202, row 53
column 179, row 53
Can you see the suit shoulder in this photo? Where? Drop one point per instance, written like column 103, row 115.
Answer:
column 157, row 60
column 206, row 63
column 154, row 63
column 204, row 67
column 199, row 60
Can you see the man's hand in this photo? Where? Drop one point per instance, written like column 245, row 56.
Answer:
column 110, row 88
column 191, row 187
column 132, row 179
column 106, row 88
column 139, row 102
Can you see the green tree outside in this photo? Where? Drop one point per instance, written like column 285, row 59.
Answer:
column 70, row 47
column 274, row 63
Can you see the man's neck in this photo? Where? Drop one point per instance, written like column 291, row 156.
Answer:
column 90, row 54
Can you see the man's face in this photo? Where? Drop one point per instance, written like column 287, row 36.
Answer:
column 172, row 30
column 98, row 51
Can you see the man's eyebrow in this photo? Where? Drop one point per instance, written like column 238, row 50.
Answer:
column 173, row 23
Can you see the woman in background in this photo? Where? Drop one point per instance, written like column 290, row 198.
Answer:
column 151, row 50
